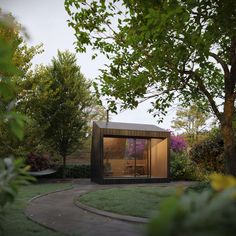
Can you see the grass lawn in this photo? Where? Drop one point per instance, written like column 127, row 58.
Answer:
column 16, row 223
column 134, row 201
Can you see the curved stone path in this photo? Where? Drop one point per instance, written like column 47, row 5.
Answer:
column 58, row 211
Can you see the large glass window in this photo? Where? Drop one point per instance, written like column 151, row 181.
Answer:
column 134, row 157
column 125, row 157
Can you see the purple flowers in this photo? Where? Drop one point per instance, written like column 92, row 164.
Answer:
column 177, row 143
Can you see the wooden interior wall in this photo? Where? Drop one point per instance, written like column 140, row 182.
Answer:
column 159, row 158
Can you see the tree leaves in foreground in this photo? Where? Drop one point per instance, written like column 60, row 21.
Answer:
column 206, row 212
column 164, row 50
column 13, row 173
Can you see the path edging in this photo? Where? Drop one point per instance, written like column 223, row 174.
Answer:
column 28, row 216
column 45, row 194
column 133, row 219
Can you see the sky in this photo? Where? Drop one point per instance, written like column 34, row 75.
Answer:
column 46, row 22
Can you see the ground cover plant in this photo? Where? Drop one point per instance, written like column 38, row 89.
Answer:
column 134, row 201
column 15, row 221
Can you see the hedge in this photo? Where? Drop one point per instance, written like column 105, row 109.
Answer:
column 73, row 171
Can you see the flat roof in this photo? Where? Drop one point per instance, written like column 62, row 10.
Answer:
column 128, row 126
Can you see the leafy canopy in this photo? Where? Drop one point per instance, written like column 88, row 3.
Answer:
column 164, row 50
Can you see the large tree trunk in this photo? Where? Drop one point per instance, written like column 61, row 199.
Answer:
column 227, row 120
column 229, row 149
column 228, row 137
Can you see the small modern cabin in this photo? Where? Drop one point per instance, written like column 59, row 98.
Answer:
column 129, row 153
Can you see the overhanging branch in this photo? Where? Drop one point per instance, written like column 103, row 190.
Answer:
column 204, row 91
column 209, row 96
column 222, row 63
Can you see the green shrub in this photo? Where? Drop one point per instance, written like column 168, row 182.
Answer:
column 180, row 168
column 183, row 168
column 208, row 155
column 205, row 213
column 73, row 171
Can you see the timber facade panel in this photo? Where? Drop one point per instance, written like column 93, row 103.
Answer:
column 129, row 153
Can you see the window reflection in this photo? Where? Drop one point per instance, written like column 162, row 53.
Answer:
column 125, row 157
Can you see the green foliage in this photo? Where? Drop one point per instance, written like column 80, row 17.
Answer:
column 191, row 121
column 208, row 154
column 180, row 166
column 183, row 168
column 203, row 213
column 15, row 64
column 154, row 47
column 13, row 174
column 73, row 171
column 163, row 51
column 7, row 70
column 60, row 104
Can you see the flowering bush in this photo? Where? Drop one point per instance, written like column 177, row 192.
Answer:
column 177, row 143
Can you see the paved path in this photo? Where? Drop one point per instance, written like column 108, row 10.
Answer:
column 58, row 211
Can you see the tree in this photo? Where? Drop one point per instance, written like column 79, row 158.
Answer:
column 15, row 64
column 191, row 120
column 59, row 101
column 164, row 50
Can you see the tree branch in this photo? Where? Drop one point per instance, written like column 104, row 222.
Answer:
column 205, row 92
column 209, row 96
column 153, row 95
column 105, row 22
column 222, row 63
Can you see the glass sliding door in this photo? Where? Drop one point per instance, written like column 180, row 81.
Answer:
column 135, row 157
column 113, row 154
column 141, row 158
column 125, row 157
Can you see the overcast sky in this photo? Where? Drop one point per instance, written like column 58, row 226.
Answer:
column 45, row 22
